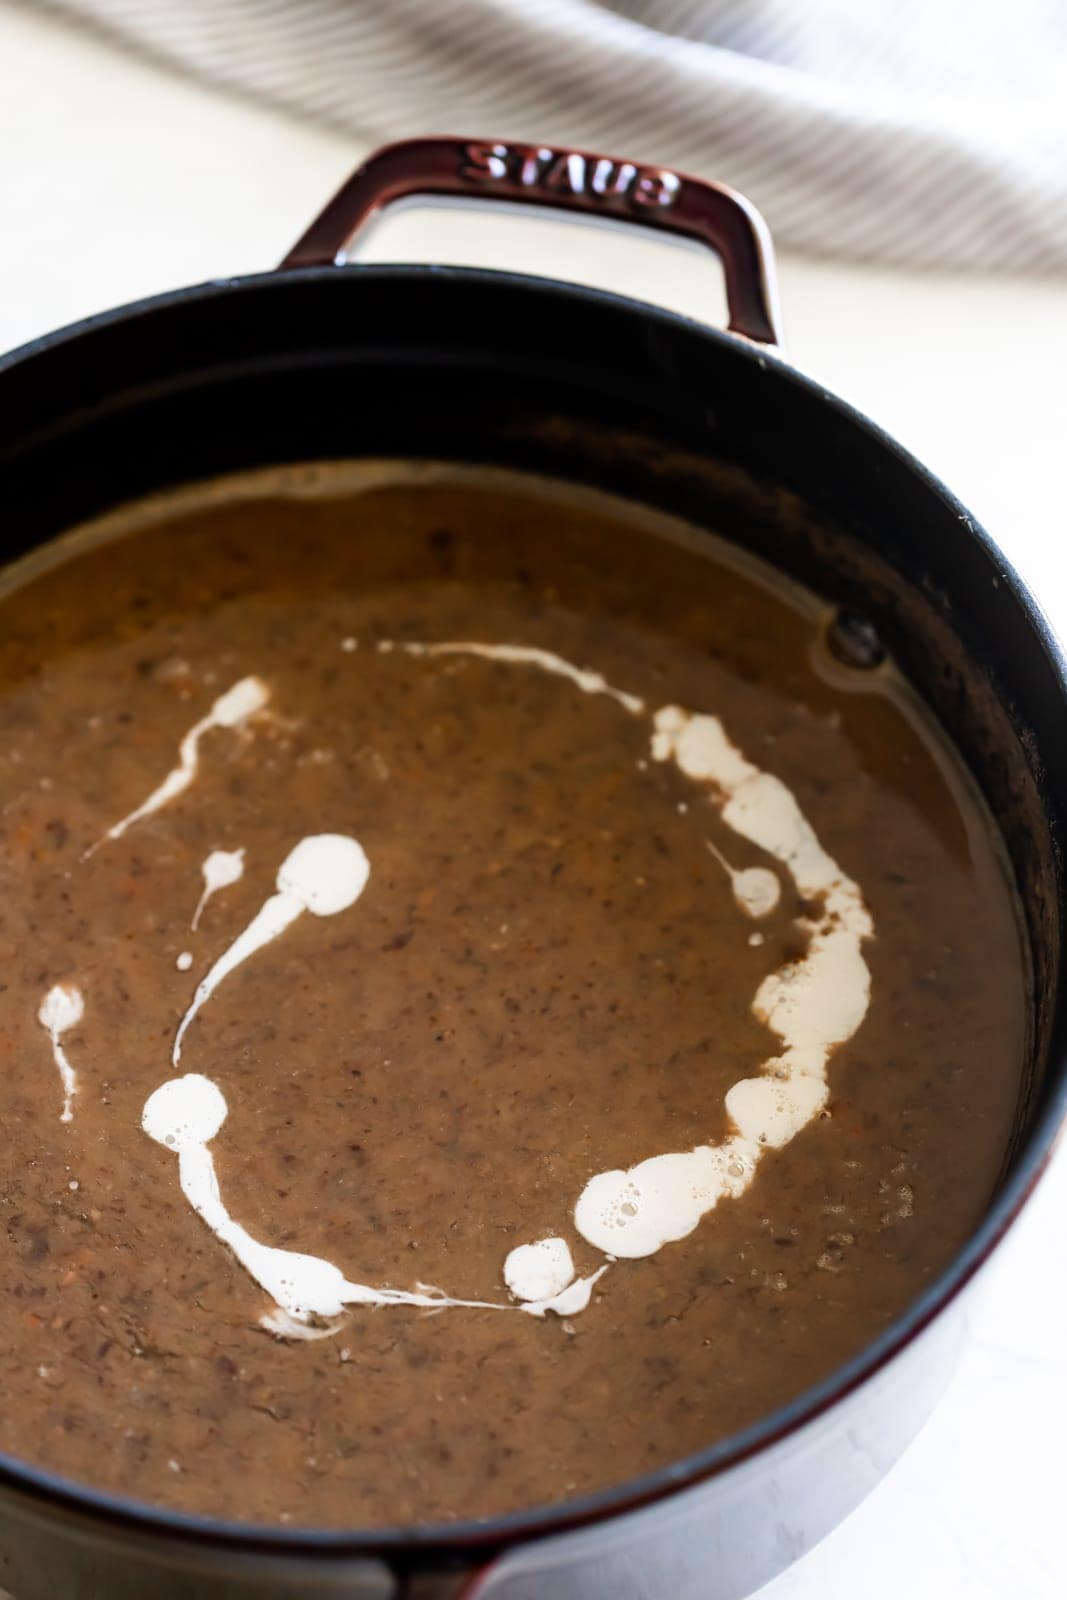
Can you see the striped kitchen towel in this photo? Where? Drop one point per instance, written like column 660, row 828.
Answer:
column 928, row 133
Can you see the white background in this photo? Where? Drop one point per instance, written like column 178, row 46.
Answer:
column 118, row 179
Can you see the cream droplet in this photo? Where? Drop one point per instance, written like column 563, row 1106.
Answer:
column 756, row 889
column 539, row 1271
column 62, row 1008
column 219, row 870
column 324, row 874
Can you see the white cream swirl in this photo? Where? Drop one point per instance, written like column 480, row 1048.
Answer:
column 812, row 1004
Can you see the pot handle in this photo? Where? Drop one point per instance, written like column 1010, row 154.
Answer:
column 568, row 180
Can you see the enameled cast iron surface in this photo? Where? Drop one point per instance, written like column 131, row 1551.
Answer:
column 481, row 367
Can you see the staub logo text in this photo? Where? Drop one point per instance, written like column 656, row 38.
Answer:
column 540, row 170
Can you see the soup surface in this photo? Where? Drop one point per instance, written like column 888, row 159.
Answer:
column 491, row 1005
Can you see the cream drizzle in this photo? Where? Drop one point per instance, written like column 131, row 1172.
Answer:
column 232, row 709
column 324, row 874
column 184, row 1114
column 813, row 1005
column 219, row 870
column 62, row 1007
column 521, row 655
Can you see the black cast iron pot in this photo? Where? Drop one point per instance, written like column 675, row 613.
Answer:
column 321, row 360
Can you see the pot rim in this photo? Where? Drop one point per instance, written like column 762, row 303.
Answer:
column 483, row 1537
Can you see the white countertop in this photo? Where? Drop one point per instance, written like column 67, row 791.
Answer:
column 118, row 179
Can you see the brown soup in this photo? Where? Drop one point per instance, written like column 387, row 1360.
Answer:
column 628, row 965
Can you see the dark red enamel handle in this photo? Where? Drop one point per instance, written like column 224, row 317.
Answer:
column 568, row 180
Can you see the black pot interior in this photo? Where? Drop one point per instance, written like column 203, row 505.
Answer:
column 451, row 364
